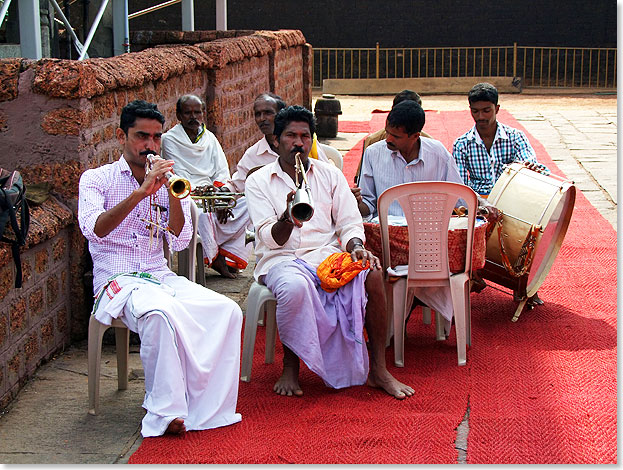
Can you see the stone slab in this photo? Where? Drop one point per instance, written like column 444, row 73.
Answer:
column 391, row 86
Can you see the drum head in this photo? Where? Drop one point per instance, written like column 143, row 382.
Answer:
column 550, row 241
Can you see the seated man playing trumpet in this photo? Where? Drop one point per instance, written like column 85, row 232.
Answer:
column 198, row 156
column 318, row 321
column 190, row 335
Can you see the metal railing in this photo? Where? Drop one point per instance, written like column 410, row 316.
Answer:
column 538, row 66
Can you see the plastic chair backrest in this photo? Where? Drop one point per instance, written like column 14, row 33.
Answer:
column 333, row 155
column 427, row 206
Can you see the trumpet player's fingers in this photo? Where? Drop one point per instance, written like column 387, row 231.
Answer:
column 290, row 196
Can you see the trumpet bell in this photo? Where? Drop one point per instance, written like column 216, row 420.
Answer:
column 301, row 208
column 179, row 187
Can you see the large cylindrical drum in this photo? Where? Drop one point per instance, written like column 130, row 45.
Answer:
column 531, row 203
column 327, row 110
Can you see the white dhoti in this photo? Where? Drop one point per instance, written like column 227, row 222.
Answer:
column 190, row 349
column 226, row 239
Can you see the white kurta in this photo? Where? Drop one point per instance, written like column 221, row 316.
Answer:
column 204, row 163
column 190, row 349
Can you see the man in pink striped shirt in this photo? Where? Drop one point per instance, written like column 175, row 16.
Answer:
column 190, row 335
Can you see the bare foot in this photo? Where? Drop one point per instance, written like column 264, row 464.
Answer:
column 220, row 266
column 288, row 383
column 383, row 379
column 176, row 427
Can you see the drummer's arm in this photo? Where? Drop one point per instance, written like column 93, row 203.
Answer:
column 488, row 210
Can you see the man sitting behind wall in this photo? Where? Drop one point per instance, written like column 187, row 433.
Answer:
column 198, row 156
column 324, row 329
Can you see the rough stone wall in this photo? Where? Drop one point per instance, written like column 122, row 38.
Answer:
column 59, row 117
column 35, row 320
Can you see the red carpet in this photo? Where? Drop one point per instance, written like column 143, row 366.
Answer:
column 542, row 390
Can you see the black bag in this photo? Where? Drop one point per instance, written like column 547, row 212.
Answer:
column 12, row 201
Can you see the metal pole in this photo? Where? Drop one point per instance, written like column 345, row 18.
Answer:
column 221, row 15
column 30, row 29
column 3, row 10
column 378, row 51
column 188, row 15
column 85, row 17
column 120, row 28
column 154, row 8
column 514, row 59
column 94, row 26
column 70, row 30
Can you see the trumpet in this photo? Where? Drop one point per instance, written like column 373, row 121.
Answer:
column 301, row 207
column 178, row 187
column 210, row 199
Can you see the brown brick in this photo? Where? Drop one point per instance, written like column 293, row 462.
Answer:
column 47, row 333
column 41, row 261
column 61, row 321
column 35, row 302
column 15, row 366
column 19, row 319
column 58, row 249
column 52, row 289
column 6, row 280
column 4, row 329
column 31, row 350
column 9, row 77
column 26, row 270
column 64, row 121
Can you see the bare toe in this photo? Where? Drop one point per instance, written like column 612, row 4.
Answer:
column 176, row 427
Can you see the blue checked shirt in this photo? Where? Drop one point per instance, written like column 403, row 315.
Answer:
column 479, row 168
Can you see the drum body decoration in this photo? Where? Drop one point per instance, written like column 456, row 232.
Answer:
column 531, row 203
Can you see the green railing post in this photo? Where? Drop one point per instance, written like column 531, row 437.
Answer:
column 378, row 51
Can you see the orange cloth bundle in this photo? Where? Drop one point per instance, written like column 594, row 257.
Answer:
column 337, row 270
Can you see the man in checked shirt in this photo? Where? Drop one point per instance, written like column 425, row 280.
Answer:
column 482, row 152
column 190, row 335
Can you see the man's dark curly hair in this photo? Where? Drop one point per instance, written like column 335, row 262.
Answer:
column 483, row 92
column 408, row 115
column 294, row 114
column 138, row 109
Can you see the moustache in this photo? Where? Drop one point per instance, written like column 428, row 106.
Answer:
column 297, row 148
column 147, row 152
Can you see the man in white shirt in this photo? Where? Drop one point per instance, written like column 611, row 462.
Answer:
column 198, row 156
column 265, row 108
column 190, row 335
column 324, row 329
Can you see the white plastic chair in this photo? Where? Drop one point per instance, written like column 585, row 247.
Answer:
column 428, row 207
column 260, row 299
column 122, row 333
column 333, row 154
column 190, row 261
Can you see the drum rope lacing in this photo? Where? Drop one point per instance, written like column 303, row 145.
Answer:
column 526, row 253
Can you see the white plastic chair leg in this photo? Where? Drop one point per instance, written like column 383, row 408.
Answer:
column 271, row 331
column 398, row 293
column 457, row 286
column 426, row 315
column 440, row 327
column 258, row 296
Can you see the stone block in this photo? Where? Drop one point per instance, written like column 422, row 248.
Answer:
column 31, row 351
column 41, row 260
column 59, row 248
column 61, row 321
column 6, row 279
column 19, row 317
column 4, row 329
column 15, row 366
column 9, row 78
column 35, row 303
column 47, row 334
column 53, row 286
column 64, row 121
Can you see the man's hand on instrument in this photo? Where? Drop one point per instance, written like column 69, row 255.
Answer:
column 538, row 167
column 155, row 178
column 289, row 199
column 488, row 211
column 223, row 214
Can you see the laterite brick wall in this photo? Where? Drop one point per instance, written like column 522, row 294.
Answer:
column 58, row 118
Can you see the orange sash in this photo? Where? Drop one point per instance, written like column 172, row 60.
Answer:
column 337, row 270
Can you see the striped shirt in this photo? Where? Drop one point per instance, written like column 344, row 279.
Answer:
column 126, row 249
column 479, row 168
column 383, row 168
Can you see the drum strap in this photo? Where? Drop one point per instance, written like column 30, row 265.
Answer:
column 524, row 259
